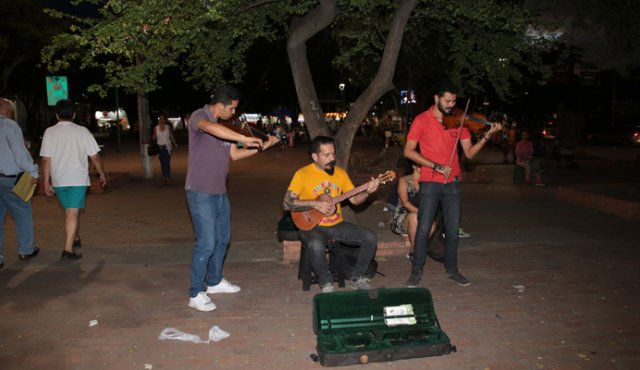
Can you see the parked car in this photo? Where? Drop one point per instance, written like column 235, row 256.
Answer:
column 617, row 135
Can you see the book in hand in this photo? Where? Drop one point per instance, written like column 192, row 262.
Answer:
column 24, row 187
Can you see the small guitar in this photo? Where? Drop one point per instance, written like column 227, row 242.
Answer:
column 307, row 220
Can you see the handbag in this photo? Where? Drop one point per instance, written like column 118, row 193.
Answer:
column 399, row 220
column 153, row 149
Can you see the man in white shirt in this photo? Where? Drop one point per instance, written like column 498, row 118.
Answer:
column 65, row 169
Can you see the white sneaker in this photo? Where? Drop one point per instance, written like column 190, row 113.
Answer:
column 361, row 283
column 202, row 302
column 327, row 288
column 223, row 287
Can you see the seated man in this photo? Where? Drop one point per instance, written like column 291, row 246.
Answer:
column 309, row 196
column 524, row 158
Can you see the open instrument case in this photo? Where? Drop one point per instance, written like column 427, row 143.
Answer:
column 377, row 325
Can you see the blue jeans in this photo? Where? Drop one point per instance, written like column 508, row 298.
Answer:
column 165, row 161
column 350, row 234
column 22, row 216
column 210, row 217
column 449, row 196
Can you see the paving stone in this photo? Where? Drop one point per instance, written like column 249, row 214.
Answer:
column 554, row 285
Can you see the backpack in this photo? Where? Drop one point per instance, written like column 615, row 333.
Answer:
column 399, row 220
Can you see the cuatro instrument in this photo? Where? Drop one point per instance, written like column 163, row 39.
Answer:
column 307, row 220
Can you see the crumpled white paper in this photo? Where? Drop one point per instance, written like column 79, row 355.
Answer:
column 215, row 335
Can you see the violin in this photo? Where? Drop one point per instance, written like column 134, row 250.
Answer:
column 474, row 122
column 245, row 129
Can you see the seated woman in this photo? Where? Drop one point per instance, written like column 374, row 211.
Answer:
column 524, row 158
column 409, row 196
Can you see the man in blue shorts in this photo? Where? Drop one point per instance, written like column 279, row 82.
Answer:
column 65, row 169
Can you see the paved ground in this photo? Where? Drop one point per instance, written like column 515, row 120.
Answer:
column 555, row 286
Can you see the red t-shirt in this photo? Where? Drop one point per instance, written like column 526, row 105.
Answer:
column 436, row 143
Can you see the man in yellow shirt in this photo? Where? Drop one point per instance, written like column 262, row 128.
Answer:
column 311, row 189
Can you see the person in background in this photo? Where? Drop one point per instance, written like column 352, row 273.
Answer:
column 14, row 159
column 388, row 133
column 65, row 169
column 163, row 135
column 185, row 120
column 524, row 158
column 512, row 139
column 508, row 138
column 409, row 195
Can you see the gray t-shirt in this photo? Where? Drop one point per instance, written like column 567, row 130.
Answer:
column 208, row 162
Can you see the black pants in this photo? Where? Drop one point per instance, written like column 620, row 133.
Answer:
column 347, row 233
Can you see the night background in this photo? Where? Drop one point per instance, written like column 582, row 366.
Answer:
column 600, row 96
column 553, row 263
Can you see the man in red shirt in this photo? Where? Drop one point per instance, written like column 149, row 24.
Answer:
column 433, row 146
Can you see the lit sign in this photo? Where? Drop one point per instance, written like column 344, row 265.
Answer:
column 56, row 89
column 407, row 97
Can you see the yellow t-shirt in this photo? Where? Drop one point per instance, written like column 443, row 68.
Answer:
column 311, row 182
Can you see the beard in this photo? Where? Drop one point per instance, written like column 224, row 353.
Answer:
column 330, row 167
column 444, row 110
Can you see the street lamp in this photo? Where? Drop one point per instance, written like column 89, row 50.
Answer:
column 341, row 86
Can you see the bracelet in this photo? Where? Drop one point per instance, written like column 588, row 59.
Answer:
column 436, row 167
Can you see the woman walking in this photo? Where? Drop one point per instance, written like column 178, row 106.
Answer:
column 163, row 135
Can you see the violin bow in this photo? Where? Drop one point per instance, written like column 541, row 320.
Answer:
column 253, row 131
column 455, row 147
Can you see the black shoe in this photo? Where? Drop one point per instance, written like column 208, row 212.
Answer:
column 458, row 278
column 414, row 279
column 70, row 256
column 23, row 257
column 1, row 265
column 77, row 243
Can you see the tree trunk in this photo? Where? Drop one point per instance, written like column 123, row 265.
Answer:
column 382, row 82
column 302, row 29
column 144, row 133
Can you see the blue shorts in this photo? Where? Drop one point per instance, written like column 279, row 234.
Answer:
column 71, row 196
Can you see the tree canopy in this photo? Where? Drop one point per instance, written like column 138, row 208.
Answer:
column 24, row 29
column 606, row 32
column 478, row 43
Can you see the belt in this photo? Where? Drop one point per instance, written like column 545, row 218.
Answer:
column 9, row 176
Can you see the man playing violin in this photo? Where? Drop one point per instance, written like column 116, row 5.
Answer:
column 322, row 176
column 432, row 145
column 211, row 146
